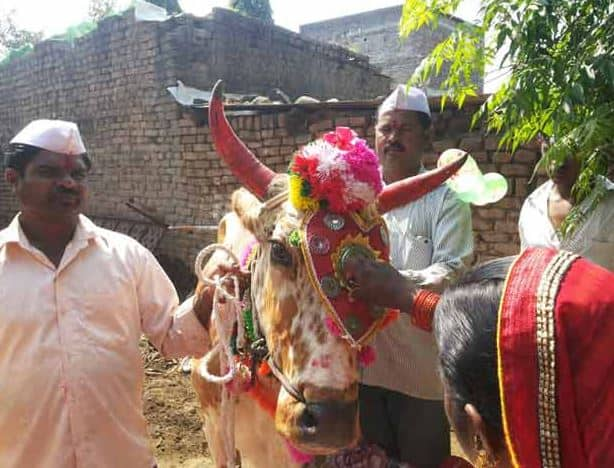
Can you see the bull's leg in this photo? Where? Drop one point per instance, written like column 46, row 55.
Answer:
column 215, row 441
column 209, row 396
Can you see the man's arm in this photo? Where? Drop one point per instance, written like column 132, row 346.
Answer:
column 173, row 329
column 452, row 245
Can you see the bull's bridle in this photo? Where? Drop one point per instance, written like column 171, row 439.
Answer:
column 259, row 349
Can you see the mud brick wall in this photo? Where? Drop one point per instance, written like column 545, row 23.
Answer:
column 274, row 138
column 148, row 150
column 113, row 82
column 175, row 173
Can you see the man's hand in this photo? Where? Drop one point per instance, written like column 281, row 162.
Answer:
column 203, row 297
column 378, row 283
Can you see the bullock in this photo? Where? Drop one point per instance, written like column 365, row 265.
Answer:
column 305, row 399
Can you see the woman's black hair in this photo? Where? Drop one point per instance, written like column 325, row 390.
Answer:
column 19, row 156
column 465, row 328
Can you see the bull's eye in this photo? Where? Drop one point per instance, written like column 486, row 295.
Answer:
column 279, row 254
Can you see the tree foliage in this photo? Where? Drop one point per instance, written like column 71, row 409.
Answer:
column 98, row 9
column 260, row 9
column 561, row 81
column 13, row 39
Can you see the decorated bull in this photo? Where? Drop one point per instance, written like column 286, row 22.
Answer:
column 299, row 337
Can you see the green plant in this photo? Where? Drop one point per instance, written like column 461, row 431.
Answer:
column 13, row 40
column 561, row 75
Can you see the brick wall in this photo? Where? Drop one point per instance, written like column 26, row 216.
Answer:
column 376, row 35
column 273, row 137
column 175, row 172
column 147, row 149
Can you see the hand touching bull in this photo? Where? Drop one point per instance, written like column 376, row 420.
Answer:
column 380, row 284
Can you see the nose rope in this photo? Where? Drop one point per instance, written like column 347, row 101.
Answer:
column 224, row 317
column 283, row 380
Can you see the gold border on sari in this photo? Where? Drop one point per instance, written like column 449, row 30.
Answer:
column 546, row 357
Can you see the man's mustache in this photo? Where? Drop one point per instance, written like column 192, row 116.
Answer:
column 66, row 191
column 394, row 146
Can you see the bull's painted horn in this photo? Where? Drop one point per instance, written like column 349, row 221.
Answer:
column 404, row 191
column 254, row 175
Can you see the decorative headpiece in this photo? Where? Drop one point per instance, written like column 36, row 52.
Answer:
column 338, row 172
column 336, row 181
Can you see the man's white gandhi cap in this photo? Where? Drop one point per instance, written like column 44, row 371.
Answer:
column 405, row 98
column 58, row 136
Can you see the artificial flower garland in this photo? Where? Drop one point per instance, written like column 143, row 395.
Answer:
column 338, row 172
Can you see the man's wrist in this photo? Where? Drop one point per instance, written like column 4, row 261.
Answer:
column 422, row 309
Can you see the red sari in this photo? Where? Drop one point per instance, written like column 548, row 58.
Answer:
column 556, row 361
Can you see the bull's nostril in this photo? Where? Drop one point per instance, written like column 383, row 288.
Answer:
column 308, row 422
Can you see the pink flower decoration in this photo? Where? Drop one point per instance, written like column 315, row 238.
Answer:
column 333, row 328
column 364, row 165
column 341, row 171
column 366, row 356
column 342, row 138
column 297, row 455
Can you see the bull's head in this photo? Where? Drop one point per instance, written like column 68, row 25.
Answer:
column 292, row 309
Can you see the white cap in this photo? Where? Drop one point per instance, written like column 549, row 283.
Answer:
column 58, row 136
column 404, row 98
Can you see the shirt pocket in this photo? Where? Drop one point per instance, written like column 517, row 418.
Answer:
column 109, row 316
column 420, row 252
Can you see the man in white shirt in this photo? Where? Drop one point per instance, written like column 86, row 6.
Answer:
column 546, row 208
column 401, row 405
column 74, row 301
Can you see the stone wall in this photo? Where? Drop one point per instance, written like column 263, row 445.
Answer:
column 376, row 35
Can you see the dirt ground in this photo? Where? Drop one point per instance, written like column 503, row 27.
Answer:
column 171, row 409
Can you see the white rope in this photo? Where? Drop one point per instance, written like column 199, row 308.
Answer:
column 224, row 315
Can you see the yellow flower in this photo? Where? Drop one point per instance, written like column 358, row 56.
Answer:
column 299, row 201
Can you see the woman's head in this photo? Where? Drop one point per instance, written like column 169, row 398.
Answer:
column 466, row 333
column 525, row 350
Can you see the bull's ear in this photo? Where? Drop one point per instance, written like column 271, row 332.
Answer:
column 248, row 208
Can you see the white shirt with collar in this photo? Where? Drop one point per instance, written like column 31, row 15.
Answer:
column 431, row 241
column 71, row 374
column 593, row 238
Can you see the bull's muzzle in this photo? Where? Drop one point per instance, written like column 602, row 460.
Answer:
column 328, row 425
column 320, row 427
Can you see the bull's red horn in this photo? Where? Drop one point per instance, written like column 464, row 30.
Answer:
column 404, row 191
column 254, row 175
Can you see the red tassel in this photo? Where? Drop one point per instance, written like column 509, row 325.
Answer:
column 390, row 317
column 264, row 399
column 366, row 356
column 264, row 369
